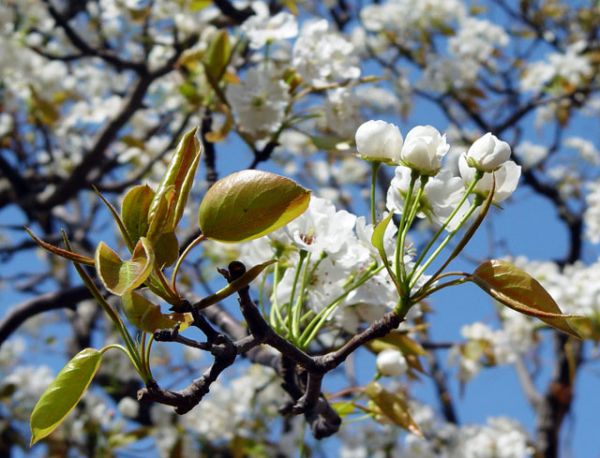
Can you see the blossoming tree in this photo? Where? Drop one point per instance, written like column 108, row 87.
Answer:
column 234, row 224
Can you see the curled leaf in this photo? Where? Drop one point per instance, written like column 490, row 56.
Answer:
column 120, row 277
column 519, row 291
column 234, row 286
column 249, row 204
column 63, row 394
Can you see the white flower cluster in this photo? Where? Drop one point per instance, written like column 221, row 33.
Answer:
column 592, row 212
column 500, row 437
column 422, row 152
column 339, row 244
column 571, row 67
column 232, row 410
column 322, row 56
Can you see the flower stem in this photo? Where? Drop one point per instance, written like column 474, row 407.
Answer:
column 374, row 169
column 442, row 245
column 402, row 225
column 445, row 225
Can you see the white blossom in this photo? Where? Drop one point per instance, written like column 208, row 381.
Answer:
column 262, row 28
column 488, row 153
column 321, row 56
column 592, row 213
column 442, row 194
column 506, row 179
column 379, row 141
column 391, row 363
column 423, row 150
column 531, row 154
column 259, row 102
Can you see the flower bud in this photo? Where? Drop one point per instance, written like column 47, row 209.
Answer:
column 424, row 149
column 488, row 153
column 379, row 141
column 507, row 178
column 391, row 363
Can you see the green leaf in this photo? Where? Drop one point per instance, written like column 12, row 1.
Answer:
column 179, row 176
column 64, row 393
column 166, row 249
column 377, row 239
column 249, row 204
column 519, row 291
column 147, row 316
column 248, row 277
column 120, row 277
column 67, row 254
column 135, row 209
column 161, row 219
column 392, row 407
column 217, row 56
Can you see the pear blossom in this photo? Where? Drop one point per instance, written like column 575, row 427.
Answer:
column 531, row 154
column 585, row 148
column 259, row 102
column 506, row 176
column 423, row 150
column 391, row 363
column 591, row 216
column 321, row 229
column 442, row 194
column 262, row 28
column 342, row 112
column 488, row 153
column 571, row 66
column 379, row 141
column 321, row 56
column 477, row 39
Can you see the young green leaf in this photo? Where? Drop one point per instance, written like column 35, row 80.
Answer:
column 249, row 204
column 179, row 176
column 519, row 291
column 147, row 316
column 120, row 277
column 217, row 56
column 135, row 209
column 63, row 394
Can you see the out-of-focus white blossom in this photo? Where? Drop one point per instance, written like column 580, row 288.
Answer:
column 585, row 148
column 321, row 56
column 571, row 66
column 391, row 363
column 477, row 39
column 592, row 213
column 259, row 102
column 531, row 154
column 262, row 28
column 342, row 112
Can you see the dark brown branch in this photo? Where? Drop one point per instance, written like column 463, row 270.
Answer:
column 51, row 301
column 86, row 49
